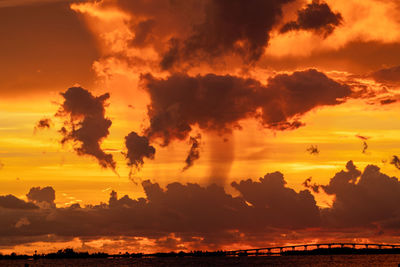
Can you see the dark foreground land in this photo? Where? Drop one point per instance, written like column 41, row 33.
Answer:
column 317, row 257
column 382, row 260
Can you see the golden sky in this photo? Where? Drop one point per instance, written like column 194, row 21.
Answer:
column 183, row 106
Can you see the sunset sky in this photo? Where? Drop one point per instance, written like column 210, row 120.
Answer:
column 167, row 125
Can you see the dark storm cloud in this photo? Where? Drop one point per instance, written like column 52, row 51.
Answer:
column 387, row 75
column 138, row 148
column 219, row 102
column 281, row 205
column 187, row 211
column 230, row 26
column 194, row 152
column 85, row 123
column 317, row 17
column 45, row 195
column 12, row 202
column 195, row 216
column 193, row 31
column 362, row 199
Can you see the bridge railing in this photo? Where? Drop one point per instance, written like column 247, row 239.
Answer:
column 305, row 247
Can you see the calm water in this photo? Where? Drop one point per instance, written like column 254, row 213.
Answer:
column 339, row 260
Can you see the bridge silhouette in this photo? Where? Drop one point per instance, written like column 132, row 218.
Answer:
column 279, row 250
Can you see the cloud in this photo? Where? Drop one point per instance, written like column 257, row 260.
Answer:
column 366, row 199
column 316, row 17
column 281, row 206
column 190, row 32
column 314, row 187
column 85, row 123
column 229, row 27
column 42, row 196
column 388, row 101
column 191, row 216
column 12, row 202
column 43, row 124
column 395, row 161
column 138, row 148
column 313, row 150
column 194, row 152
column 387, row 75
column 218, row 103
column 11, row 3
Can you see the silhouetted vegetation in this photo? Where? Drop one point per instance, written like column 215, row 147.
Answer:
column 69, row 253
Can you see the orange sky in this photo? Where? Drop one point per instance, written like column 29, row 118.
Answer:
column 108, row 46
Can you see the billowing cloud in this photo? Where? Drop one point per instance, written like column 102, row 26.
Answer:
column 362, row 199
column 218, row 103
column 85, row 123
column 192, row 216
column 235, row 27
column 12, row 202
column 194, row 152
column 317, row 17
column 138, row 148
column 282, row 206
column 42, row 196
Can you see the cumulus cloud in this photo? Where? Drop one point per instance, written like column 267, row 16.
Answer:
column 12, row 202
column 281, row 206
column 217, row 103
column 85, row 124
column 187, row 33
column 317, row 17
column 138, row 148
column 193, row 216
column 366, row 199
column 42, row 196
column 235, row 27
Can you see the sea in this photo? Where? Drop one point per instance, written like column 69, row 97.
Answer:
column 298, row 261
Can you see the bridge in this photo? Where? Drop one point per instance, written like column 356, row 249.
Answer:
column 306, row 247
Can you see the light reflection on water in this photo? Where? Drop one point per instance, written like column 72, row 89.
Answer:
column 312, row 260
